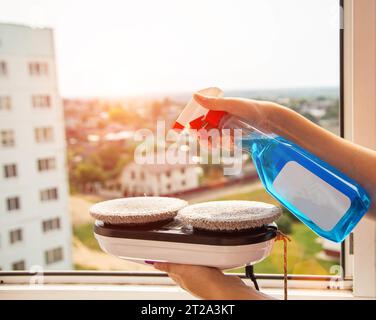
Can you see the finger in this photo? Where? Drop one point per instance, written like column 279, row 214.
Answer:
column 237, row 106
column 173, row 268
column 210, row 102
column 161, row 266
column 177, row 280
column 166, row 267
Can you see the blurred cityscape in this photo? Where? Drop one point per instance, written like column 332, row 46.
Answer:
column 100, row 157
column 42, row 224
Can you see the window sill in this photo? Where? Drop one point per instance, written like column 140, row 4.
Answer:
column 143, row 292
column 151, row 286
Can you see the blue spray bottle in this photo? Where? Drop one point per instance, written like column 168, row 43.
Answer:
column 322, row 197
column 325, row 199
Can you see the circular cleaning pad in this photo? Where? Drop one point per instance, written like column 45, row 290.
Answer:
column 229, row 215
column 137, row 210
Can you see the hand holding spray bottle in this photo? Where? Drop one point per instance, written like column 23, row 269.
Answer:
column 322, row 197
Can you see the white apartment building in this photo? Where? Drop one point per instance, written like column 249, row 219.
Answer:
column 35, row 229
column 158, row 179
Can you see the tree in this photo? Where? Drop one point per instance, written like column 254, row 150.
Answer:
column 285, row 222
column 111, row 158
column 123, row 116
column 332, row 112
column 86, row 174
column 156, row 110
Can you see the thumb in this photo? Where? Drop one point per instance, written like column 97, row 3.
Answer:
column 210, row 102
column 242, row 108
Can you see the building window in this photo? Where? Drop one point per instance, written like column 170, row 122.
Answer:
column 53, row 255
column 5, row 103
column 19, row 265
column 133, row 175
column 49, row 194
column 10, row 170
column 13, row 203
column 183, row 183
column 38, row 68
column 182, row 170
column 51, row 224
column 7, row 138
column 3, row 68
column 46, row 164
column 15, row 236
column 168, row 187
column 142, row 176
column 168, row 174
column 41, row 101
column 44, row 134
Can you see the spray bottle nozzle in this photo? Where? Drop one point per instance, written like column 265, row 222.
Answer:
column 194, row 116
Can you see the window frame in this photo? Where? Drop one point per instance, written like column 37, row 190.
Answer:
column 16, row 236
column 49, row 194
column 22, row 262
column 10, row 170
column 4, row 68
column 38, row 68
column 41, row 101
column 51, row 225
column 266, row 281
column 5, row 103
column 53, row 255
column 8, row 136
column 360, row 127
column 354, row 266
column 46, row 164
column 13, row 203
column 43, row 134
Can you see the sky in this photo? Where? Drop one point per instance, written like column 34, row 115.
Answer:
column 117, row 48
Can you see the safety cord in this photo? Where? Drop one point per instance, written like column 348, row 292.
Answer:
column 284, row 238
column 249, row 273
column 249, row 270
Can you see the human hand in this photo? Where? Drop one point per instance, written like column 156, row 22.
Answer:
column 265, row 115
column 209, row 283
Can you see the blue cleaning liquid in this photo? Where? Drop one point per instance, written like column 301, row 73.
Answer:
column 326, row 200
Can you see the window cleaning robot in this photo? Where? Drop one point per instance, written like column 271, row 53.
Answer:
column 221, row 234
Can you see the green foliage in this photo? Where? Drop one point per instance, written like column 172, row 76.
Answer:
column 85, row 234
column 105, row 164
column 88, row 172
column 254, row 195
column 121, row 115
column 306, row 238
column 78, row 266
column 285, row 223
column 332, row 112
column 111, row 160
column 291, row 216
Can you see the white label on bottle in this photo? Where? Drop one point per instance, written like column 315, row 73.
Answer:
column 311, row 195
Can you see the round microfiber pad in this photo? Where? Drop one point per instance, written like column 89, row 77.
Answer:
column 229, row 215
column 137, row 210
